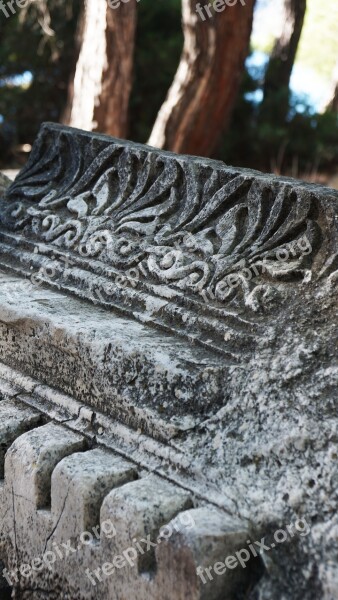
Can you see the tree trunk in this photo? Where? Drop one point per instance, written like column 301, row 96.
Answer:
column 98, row 97
column 201, row 98
column 66, row 117
column 333, row 103
column 278, row 74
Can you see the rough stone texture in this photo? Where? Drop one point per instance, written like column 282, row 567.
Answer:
column 45, row 463
column 118, row 366
column 220, row 399
column 4, row 183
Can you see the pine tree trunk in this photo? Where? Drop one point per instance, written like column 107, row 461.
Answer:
column 278, row 74
column 333, row 103
column 66, row 117
column 200, row 101
column 99, row 95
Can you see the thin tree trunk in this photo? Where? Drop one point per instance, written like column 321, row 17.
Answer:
column 333, row 102
column 99, row 95
column 200, row 101
column 66, row 117
column 278, row 74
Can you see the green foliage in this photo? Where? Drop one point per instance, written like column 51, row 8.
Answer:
column 25, row 47
column 302, row 144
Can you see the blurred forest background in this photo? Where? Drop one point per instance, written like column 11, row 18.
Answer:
column 260, row 93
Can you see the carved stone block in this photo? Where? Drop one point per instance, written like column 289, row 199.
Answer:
column 168, row 347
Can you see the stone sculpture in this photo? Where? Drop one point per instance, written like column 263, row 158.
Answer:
column 168, row 339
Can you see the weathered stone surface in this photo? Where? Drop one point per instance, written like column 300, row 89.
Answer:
column 122, row 367
column 75, row 566
column 179, row 316
column 4, row 183
column 15, row 419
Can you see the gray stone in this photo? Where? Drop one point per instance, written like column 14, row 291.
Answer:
column 4, row 183
column 168, row 327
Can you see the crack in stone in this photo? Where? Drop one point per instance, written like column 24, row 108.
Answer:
column 58, row 521
column 14, row 527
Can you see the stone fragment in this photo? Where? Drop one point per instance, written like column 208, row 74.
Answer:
column 168, row 347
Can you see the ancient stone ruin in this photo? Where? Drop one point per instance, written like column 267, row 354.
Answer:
column 168, row 347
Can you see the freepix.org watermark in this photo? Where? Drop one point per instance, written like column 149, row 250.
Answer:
column 117, row 3
column 139, row 547
column 244, row 555
column 299, row 248
column 217, row 6
column 242, row 273
column 204, row 12
column 10, row 8
column 59, row 552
